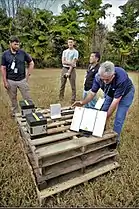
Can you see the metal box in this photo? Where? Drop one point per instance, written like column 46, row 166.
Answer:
column 27, row 107
column 36, row 124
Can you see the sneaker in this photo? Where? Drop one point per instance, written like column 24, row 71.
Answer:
column 12, row 115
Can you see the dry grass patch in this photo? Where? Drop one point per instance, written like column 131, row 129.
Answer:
column 117, row 188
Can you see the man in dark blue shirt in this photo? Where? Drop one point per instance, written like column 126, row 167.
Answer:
column 14, row 72
column 90, row 75
column 118, row 93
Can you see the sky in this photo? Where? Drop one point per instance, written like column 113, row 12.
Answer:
column 113, row 11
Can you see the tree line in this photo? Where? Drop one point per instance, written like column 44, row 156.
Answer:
column 44, row 35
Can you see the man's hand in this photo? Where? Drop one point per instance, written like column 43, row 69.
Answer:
column 27, row 77
column 6, row 85
column 67, row 75
column 77, row 103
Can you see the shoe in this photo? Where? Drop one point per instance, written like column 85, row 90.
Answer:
column 12, row 115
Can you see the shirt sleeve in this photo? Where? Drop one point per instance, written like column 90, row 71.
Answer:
column 120, row 90
column 28, row 58
column 96, row 85
column 63, row 54
column 3, row 60
column 76, row 55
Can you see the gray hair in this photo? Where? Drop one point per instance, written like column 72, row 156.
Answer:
column 106, row 69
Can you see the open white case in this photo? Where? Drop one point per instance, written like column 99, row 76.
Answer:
column 89, row 120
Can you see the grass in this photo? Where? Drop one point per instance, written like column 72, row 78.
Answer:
column 117, row 188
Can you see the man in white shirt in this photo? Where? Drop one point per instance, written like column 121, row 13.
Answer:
column 69, row 59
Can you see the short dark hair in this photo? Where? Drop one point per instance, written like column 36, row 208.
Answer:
column 97, row 55
column 14, row 39
column 71, row 39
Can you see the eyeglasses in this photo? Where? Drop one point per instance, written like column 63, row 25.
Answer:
column 107, row 79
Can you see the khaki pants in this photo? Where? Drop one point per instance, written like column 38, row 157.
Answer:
column 12, row 92
column 72, row 80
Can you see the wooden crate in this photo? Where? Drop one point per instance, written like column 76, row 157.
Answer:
column 65, row 158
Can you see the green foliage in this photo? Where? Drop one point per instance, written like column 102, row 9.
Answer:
column 123, row 36
column 44, row 35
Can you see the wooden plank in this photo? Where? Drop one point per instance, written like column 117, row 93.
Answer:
column 53, row 138
column 32, row 155
column 78, row 180
column 74, row 153
column 23, row 146
column 66, row 122
column 50, row 125
column 48, row 110
column 76, row 164
column 65, row 117
column 70, row 145
column 58, row 129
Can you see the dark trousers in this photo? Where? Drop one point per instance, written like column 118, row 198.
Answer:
column 72, row 80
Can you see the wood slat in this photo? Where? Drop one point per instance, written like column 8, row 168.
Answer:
column 66, row 122
column 76, row 164
column 53, row 138
column 70, row 145
column 31, row 153
column 78, row 180
column 58, row 129
column 74, row 153
column 64, row 117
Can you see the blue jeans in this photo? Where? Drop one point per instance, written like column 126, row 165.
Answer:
column 121, row 112
column 92, row 103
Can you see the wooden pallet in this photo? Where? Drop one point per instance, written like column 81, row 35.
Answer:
column 65, row 158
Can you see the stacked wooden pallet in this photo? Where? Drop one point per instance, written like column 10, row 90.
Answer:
column 64, row 158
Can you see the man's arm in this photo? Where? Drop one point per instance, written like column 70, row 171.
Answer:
column 72, row 62
column 30, row 62
column 113, row 106
column 120, row 91
column 30, row 69
column 89, row 97
column 3, row 72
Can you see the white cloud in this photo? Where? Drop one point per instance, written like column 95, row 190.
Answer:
column 112, row 12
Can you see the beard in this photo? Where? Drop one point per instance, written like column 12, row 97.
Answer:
column 14, row 49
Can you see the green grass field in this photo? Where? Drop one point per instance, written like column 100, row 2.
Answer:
column 117, row 188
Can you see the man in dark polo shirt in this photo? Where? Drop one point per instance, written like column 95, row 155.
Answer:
column 89, row 78
column 118, row 93
column 14, row 73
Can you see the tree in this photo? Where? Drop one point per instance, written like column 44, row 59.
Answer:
column 125, row 31
column 5, row 25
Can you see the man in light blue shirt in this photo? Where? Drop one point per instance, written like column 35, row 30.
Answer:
column 69, row 59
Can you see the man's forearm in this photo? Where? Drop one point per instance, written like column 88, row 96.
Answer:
column 30, row 68
column 67, row 63
column 89, row 97
column 113, row 107
column 3, row 71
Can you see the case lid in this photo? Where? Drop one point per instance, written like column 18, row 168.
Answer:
column 34, row 119
column 26, row 104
